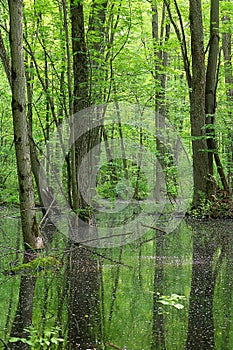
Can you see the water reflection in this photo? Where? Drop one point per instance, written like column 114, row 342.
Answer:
column 83, row 302
column 110, row 299
column 23, row 315
column 158, row 327
column 201, row 322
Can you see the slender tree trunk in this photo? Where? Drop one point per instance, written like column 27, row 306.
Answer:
column 22, row 147
column 96, row 47
column 5, row 59
column 210, row 97
column 227, row 53
column 210, row 93
column 160, row 57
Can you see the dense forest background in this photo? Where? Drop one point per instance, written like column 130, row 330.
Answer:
column 59, row 60
column 95, row 52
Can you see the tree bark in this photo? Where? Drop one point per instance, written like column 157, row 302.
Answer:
column 96, row 47
column 197, row 104
column 210, row 93
column 83, row 280
column 80, row 91
column 80, row 70
column 30, row 230
column 5, row 59
column 210, row 97
column 227, row 53
column 161, row 58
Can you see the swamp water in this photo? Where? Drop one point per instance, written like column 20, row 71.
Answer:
column 169, row 292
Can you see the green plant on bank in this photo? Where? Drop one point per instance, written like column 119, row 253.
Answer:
column 219, row 206
column 48, row 340
column 204, row 208
column 173, row 300
column 33, row 266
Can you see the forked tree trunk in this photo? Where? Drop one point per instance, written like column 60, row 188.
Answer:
column 22, row 147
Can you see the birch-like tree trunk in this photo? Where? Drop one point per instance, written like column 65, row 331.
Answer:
column 22, row 147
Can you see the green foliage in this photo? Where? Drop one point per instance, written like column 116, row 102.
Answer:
column 34, row 266
column 114, row 181
column 173, row 300
column 48, row 340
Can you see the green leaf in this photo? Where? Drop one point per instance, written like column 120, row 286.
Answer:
column 178, row 306
column 14, row 340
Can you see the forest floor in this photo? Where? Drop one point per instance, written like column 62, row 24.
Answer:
column 220, row 206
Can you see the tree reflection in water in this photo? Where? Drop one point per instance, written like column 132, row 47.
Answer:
column 84, row 321
column 118, row 304
column 209, row 250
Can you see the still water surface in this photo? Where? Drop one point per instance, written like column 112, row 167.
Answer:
column 169, row 292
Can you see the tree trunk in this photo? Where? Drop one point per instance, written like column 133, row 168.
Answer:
column 197, row 104
column 5, row 59
column 210, row 97
column 22, row 147
column 96, row 47
column 210, row 93
column 161, row 58
column 80, row 69
column 227, row 53
column 83, row 280
column 80, row 91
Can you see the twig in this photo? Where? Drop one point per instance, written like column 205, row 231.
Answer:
column 47, row 213
column 147, row 240
column 112, row 260
column 114, row 346
column 105, row 237
column 99, row 255
column 154, row 228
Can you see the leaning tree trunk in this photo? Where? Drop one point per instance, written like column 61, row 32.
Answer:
column 22, row 147
column 197, row 104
